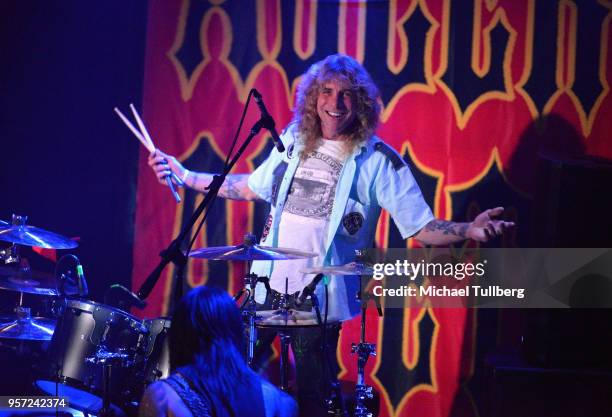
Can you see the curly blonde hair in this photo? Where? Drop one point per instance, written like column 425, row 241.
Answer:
column 367, row 106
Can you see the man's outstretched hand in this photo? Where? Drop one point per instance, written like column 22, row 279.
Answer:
column 485, row 227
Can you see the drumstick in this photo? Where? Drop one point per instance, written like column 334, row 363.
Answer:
column 142, row 140
column 144, row 137
column 149, row 145
column 134, row 131
column 141, row 125
column 147, row 137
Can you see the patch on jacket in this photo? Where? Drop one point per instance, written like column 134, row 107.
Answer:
column 352, row 222
column 388, row 151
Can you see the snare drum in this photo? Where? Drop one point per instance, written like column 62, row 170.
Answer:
column 85, row 330
column 278, row 319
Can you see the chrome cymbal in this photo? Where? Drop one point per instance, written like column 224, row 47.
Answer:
column 23, row 326
column 249, row 252
column 34, row 236
column 353, row 268
column 26, row 280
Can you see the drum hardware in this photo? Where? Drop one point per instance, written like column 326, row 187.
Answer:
column 17, row 276
column 10, row 255
column 119, row 296
column 364, row 350
column 21, row 234
column 284, row 320
column 156, row 354
column 119, row 358
column 363, row 392
column 334, row 402
column 277, row 320
column 25, row 327
column 26, row 280
column 93, row 348
column 108, row 360
column 249, row 251
column 285, row 339
column 249, row 310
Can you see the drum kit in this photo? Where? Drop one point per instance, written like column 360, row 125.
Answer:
column 97, row 356
column 102, row 358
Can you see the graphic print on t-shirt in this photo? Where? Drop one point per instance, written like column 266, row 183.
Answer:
column 314, row 186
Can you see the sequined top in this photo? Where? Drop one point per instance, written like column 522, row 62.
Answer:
column 197, row 404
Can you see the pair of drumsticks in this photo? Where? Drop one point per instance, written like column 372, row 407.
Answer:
column 144, row 138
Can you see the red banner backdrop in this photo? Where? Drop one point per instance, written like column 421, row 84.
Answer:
column 471, row 91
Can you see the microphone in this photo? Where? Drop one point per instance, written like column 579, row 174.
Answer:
column 308, row 290
column 81, row 282
column 268, row 121
column 132, row 298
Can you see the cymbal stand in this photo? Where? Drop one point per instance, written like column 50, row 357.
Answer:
column 285, row 340
column 334, row 402
column 363, row 350
column 249, row 310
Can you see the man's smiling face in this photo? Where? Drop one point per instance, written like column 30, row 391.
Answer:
column 335, row 108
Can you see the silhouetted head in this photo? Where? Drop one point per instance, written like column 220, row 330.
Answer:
column 206, row 320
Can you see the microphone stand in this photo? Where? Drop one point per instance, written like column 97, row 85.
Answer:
column 173, row 252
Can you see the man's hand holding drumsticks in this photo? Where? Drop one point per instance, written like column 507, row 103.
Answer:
column 161, row 167
column 166, row 166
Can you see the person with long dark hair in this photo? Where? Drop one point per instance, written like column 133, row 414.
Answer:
column 209, row 376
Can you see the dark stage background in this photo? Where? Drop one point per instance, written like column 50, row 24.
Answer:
column 491, row 102
column 66, row 161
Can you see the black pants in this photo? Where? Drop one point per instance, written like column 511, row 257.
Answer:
column 313, row 364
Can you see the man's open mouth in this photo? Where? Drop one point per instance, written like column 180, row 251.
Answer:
column 336, row 115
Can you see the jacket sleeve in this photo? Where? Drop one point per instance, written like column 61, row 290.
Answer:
column 397, row 191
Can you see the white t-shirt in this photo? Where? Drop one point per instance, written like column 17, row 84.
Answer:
column 305, row 217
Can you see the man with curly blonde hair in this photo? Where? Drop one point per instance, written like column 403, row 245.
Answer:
column 360, row 101
column 326, row 193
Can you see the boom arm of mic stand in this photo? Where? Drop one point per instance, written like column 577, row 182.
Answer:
column 173, row 252
column 170, row 254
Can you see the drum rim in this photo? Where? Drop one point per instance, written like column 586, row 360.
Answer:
column 77, row 385
column 92, row 305
column 70, row 382
column 288, row 326
column 167, row 321
column 308, row 319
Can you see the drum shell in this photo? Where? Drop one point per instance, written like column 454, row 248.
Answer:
column 83, row 328
column 157, row 355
